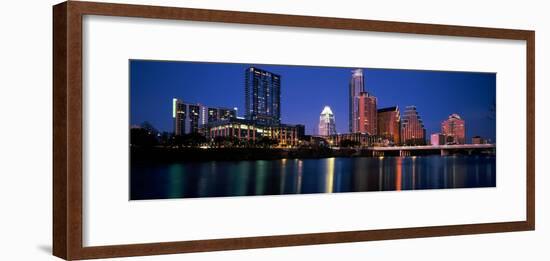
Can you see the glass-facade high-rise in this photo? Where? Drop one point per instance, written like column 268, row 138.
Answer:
column 225, row 113
column 194, row 113
column 189, row 117
column 389, row 124
column 179, row 115
column 367, row 114
column 362, row 106
column 327, row 124
column 454, row 129
column 412, row 127
column 356, row 87
column 262, row 96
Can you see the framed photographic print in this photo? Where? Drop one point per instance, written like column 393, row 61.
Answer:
column 185, row 130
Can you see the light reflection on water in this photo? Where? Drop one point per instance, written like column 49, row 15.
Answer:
column 303, row 176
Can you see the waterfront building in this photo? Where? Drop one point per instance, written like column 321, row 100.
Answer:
column 479, row 140
column 225, row 113
column 301, row 129
column 361, row 139
column 285, row 135
column 193, row 113
column 327, row 124
column 262, row 96
column 454, row 129
column 368, row 122
column 208, row 115
column 389, row 124
column 437, row 139
column 190, row 117
column 412, row 127
column 211, row 114
column 179, row 116
column 356, row 87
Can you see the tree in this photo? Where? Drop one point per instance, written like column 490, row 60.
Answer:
column 140, row 137
column 165, row 138
column 193, row 140
column 219, row 141
column 227, row 142
column 346, row 143
column 267, row 142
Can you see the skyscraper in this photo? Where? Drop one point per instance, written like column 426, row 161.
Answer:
column 389, row 124
column 212, row 114
column 262, row 96
column 226, row 113
column 179, row 114
column 193, row 114
column 356, row 87
column 412, row 127
column 367, row 116
column 189, row 117
column 327, row 125
column 454, row 128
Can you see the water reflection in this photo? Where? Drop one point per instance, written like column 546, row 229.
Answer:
column 329, row 175
column 399, row 174
column 303, row 176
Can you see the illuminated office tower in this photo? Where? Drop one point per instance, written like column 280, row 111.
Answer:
column 367, row 117
column 412, row 127
column 327, row 125
column 454, row 129
column 226, row 113
column 389, row 124
column 179, row 112
column 356, row 87
column 262, row 96
column 189, row 117
column 213, row 114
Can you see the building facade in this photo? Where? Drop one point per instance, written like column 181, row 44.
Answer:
column 437, row 139
column 412, row 127
column 479, row 140
column 179, row 116
column 362, row 139
column 368, row 114
column 190, row 117
column 389, row 124
column 245, row 130
column 327, row 124
column 356, row 87
column 454, row 129
column 262, row 96
column 301, row 129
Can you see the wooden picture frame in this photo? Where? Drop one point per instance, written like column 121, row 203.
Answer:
column 68, row 118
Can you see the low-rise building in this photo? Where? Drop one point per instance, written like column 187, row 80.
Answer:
column 479, row 140
column 285, row 135
column 357, row 139
column 437, row 139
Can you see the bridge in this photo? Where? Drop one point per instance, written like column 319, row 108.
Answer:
column 431, row 149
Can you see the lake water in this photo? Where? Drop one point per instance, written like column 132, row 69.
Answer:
column 302, row 176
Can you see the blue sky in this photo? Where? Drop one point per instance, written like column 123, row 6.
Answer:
column 305, row 90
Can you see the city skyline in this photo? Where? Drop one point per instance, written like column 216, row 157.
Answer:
column 302, row 89
column 327, row 125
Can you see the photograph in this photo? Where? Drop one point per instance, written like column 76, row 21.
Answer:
column 201, row 129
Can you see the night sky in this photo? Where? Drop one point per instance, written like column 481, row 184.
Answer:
column 306, row 90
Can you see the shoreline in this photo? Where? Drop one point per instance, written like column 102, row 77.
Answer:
column 163, row 154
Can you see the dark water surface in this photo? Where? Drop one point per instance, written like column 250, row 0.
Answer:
column 302, row 176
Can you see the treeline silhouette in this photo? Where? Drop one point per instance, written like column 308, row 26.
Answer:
column 143, row 138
